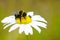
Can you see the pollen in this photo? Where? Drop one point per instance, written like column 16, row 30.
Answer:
column 28, row 19
column 23, row 20
column 18, row 20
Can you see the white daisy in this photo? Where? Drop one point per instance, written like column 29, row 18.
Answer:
column 24, row 22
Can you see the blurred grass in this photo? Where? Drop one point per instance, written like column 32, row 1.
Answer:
column 49, row 9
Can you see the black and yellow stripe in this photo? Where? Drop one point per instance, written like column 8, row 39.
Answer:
column 22, row 18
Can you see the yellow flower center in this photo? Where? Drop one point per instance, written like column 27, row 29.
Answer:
column 23, row 20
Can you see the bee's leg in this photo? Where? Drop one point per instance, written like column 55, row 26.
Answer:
column 24, row 14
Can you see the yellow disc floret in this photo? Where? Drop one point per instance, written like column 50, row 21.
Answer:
column 18, row 20
column 28, row 19
column 23, row 20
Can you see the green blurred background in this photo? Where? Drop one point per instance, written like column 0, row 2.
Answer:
column 49, row 9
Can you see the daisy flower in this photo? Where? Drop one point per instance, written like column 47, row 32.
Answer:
column 24, row 21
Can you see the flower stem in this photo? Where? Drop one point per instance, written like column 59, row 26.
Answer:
column 26, row 37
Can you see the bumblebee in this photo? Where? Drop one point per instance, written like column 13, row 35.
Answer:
column 20, row 14
column 22, row 17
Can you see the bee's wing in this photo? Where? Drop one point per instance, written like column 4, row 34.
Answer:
column 13, row 13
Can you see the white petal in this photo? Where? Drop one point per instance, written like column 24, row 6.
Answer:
column 26, row 32
column 39, row 18
column 8, row 25
column 36, row 27
column 10, row 19
column 5, row 24
column 29, row 29
column 30, row 13
column 26, row 28
column 21, row 28
column 13, row 27
column 40, row 24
